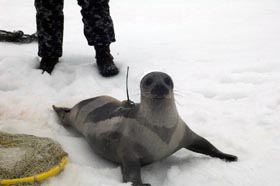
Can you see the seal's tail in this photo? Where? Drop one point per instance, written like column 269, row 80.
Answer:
column 62, row 113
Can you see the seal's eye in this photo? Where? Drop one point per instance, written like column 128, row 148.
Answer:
column 149, row 81
column 168, row 81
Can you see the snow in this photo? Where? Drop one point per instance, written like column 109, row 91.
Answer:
column 223, row 56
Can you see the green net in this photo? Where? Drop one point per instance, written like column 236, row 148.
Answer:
column 26, row 155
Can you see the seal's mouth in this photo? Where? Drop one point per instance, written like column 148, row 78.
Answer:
column 157, row 97
column 160, row 97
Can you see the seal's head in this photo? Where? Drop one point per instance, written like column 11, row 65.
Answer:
column 157, row 85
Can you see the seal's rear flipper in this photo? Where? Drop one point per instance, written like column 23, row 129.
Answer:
column 62, row 113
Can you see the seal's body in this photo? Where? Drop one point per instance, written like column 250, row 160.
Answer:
column 137, row 134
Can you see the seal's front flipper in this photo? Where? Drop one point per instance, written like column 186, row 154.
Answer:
column 62, row 114
column 201, row 145
column 131, row 170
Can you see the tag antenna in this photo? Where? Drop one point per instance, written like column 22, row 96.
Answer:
column 127, row 95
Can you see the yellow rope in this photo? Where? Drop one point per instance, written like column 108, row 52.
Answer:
column 38, row 177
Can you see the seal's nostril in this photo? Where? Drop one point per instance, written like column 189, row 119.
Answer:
column 160, row 90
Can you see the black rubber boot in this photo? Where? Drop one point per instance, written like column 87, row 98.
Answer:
column 104, row 60
column 47, row 64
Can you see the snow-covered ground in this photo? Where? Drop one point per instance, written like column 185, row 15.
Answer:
column 223, row 56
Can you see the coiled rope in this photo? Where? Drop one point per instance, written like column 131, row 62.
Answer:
column 17, row 37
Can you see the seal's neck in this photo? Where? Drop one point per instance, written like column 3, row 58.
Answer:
column 159, row 112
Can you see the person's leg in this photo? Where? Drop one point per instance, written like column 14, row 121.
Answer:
column 99, row 31
column 49, row 19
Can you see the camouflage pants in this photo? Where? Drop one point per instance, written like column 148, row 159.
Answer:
column 98, row 25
